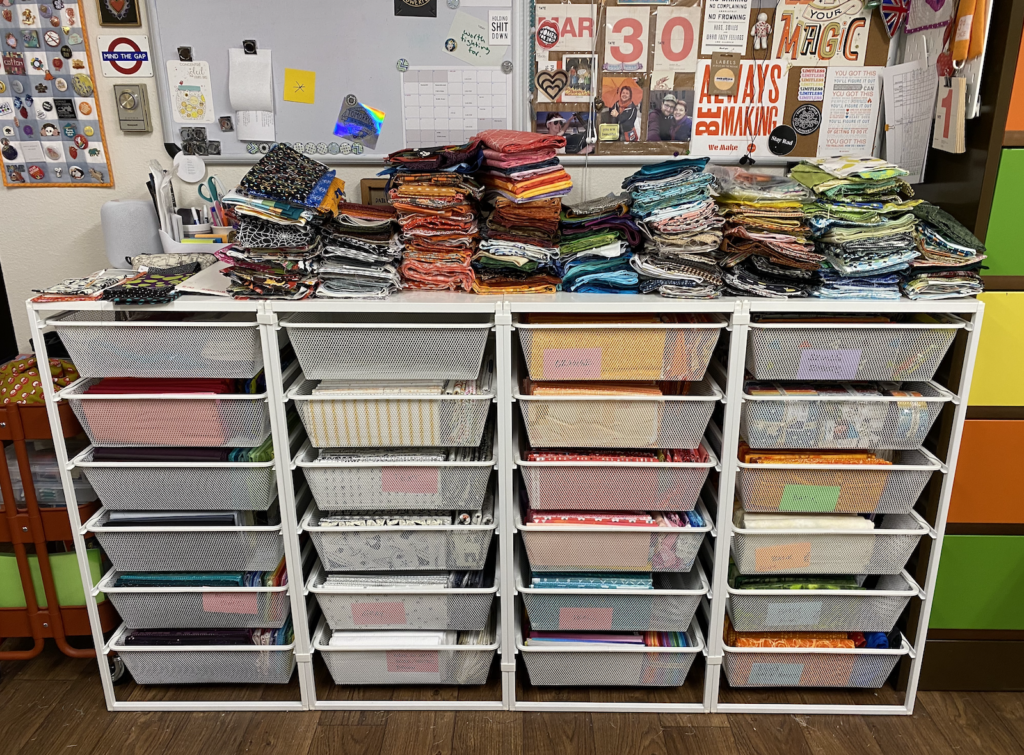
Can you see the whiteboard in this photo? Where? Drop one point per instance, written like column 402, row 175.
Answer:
column 353, row 46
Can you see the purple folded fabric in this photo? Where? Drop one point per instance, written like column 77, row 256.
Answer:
column 160, row 454
column 624, row 224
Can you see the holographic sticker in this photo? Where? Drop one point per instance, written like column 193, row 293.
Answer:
column 359, row 123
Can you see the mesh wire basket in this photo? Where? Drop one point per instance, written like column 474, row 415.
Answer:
column 206, row 664
column 669, row 607
column 193, row 486
column 241, row 548
column 810, row 667
column 447, row 664
column 851, row 488
column 382, row 608
column 398, row 548
column 381, row 422
column 655, row 351
column 824, row 351
column 380, row 346
column 619, row 421
column 890, row 422
column 874, row 610
column 123, row 344
column 884, row 550
column 589, row 548
column 165, row 420
column 198, row 607
column 384, row 486
column 614, row 486
column 628, row 666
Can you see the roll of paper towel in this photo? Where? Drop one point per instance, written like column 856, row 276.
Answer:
column 129, row 228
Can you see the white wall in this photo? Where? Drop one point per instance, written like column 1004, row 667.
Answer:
column 47, row 234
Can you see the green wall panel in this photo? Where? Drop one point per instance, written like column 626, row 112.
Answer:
column 1005, row 239
column 980, row 584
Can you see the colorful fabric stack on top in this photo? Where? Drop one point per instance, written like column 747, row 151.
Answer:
column 525, row 183
column 673, row 206
column 598, row 239
column 282, row 203
column 767, row 247
column 837, row 640
column 862, row 220
column 436, row 201
column 361, row 253
column 612, row 639
column 950, row 258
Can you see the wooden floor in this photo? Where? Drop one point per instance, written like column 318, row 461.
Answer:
column 54, row 704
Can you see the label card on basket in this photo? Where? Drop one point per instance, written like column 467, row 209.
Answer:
column 572, row 364
column 817, row 498
column 231, row 602
column 412, row 661
column 828, row 364
column 408, row 480
column 369, row 614
column 782, row 557
column 801, row 614
column 775, row 674
column 584, row 619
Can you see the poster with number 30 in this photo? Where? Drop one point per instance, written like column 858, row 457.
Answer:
column 625, row 38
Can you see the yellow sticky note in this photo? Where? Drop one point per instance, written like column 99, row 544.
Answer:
column 299, row 86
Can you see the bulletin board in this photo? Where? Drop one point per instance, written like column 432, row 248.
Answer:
column 632, row 77
column 357, row 49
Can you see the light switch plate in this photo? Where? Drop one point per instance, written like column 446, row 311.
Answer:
column 132, row 107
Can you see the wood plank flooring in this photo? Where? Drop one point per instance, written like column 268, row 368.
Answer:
column 53, row 704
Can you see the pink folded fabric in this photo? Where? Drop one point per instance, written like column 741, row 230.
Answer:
column 499, row 160
column 512, row 142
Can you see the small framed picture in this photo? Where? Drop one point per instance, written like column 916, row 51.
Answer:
column 119, row 12
column 373, row 190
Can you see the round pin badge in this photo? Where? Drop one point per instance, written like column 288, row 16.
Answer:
column 8, row 131
column 88, row 131
column 252, row 148
column 450, row 44
column 264, row 148
column 9, row 152
column 85, row 108
column 345, row 148
column 321, row 148
column 48, row 106
column 506, row 66
column 53, row 153
column 61, row 85
column 28, row 130
column 782, row 140
column 806, row 119
column 298, row 146
column 69, row 130
column 81, row 142
column 57, row 63
column 73, row 151
column 36, row 172
column 76, row 172
column 547, row 34
column 333, row 148
column 3, row 87
column 17, row 86
column 52, row 38
column 351, row 100
column 402, row 65
column 66, row 52
column 82, row 85
column 357, row 149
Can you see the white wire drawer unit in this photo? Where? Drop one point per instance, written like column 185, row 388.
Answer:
column 139, row 344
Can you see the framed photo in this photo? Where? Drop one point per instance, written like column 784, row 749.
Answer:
column 119, row 12
column 373, row 190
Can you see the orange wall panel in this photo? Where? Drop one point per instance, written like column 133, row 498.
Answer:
column 1015, row 118
column 989, row 484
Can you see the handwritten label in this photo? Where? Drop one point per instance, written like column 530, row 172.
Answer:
column 782, row 557
column 231, row 602
column 572, row 364
column 828, row 364
column 810, row 498
column 408, row 479
column 364, row 614
column 584, row 618
column 412, row 661
column 775, row 674
column 793, row 614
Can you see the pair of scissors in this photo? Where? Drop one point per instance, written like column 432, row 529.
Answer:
column 215, row 188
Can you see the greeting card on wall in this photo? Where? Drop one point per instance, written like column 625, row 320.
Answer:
column 51, row 132
column 728, row 127
column 677, row 30
column 813, row 33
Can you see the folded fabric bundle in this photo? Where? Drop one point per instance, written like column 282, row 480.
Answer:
column 598, row 639
column 594, row 388
column 591, row 581
column 143, row 454
column 613, row 519
column 406, row 580
column 157, row 286
column 781, row 582
column 275, row 578
column 666, row 455
column 207, row 637
column 361, row 253
column 942, row 285
column 86, row 288
column 114, row 386
column 752, row 521
column 786, row 639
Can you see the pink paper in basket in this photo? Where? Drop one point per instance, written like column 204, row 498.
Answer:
column 390, row 613
column 412, row 661
column 584, row 619
column 572, row 364
column 231, row 602
column 408, row 480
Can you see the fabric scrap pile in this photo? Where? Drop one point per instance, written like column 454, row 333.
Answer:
column 950, row 258
column 673, row 206
column 282, row 203
column 525, row 183
column 598, row 239
column 361, row 253
column 767, row 247
column 436, row 200
column 863, row 222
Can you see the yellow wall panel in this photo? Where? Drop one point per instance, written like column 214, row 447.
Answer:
column 999, row 370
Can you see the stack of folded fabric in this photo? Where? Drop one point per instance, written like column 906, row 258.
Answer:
column 950, row 258
column 86, row 288
column 767, row 247
column 848, row 640
column 598, row 240
column 436, row 200
column 863, row 222
column 193, row 637
column 589, row 640
column 405, row 580
column 614, row 518
column 672, row 204
column 525, row 183
column 361, row 253
column 282, row 203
